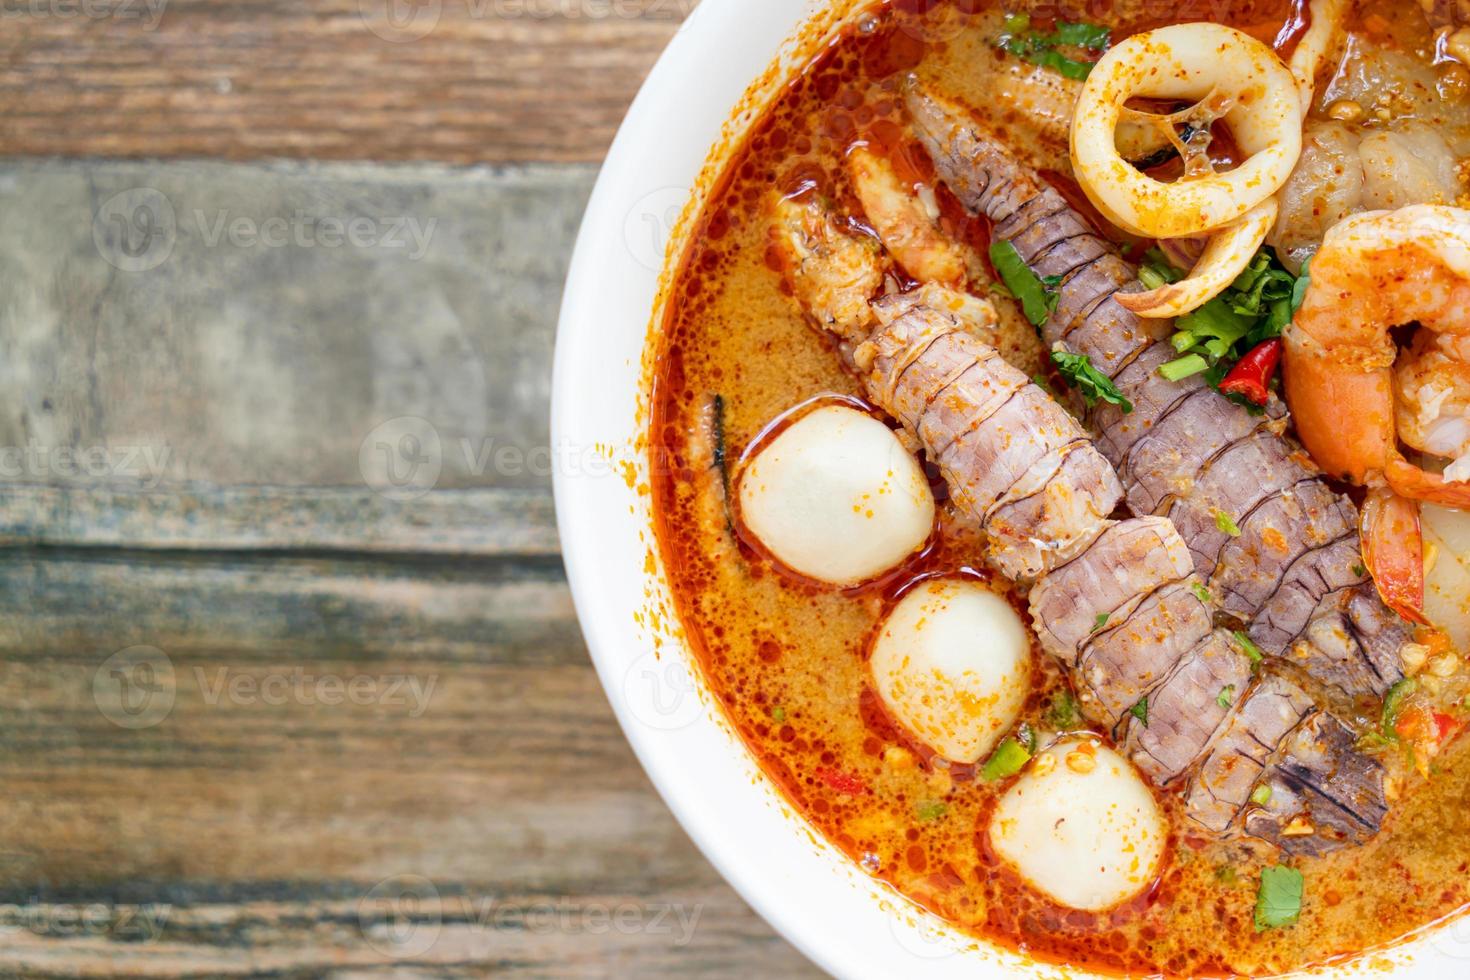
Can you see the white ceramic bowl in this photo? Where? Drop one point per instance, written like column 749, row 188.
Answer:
column 699, row 97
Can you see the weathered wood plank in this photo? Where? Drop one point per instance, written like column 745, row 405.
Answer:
column 267, row 746
column 188, row 348
column 459, row 81
column 451, row 522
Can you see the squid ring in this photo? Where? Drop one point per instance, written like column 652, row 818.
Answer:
column 1195, row 62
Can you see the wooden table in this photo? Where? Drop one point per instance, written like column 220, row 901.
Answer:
column 291, row 682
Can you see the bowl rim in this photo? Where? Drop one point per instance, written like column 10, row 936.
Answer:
column 846, row 922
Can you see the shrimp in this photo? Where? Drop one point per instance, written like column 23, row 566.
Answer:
column 1432, row 399
column 1374, row 272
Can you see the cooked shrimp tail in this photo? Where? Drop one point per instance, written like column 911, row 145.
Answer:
column 1393, row 551
column 1409, row 480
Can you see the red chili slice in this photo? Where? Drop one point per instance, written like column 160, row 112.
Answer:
column 842, row 782
column 1251, row 376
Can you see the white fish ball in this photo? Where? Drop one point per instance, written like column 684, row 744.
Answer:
column 952, row 663
column 1081, row 826
column 836, row 497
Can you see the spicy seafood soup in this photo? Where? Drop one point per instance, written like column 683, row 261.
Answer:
column 989, row 522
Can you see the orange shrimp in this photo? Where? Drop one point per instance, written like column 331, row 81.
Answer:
column 1377, row 271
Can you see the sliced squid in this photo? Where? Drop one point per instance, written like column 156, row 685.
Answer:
column 1225, row 257
column 1081, row 827
column 952, row 663
column 836, row 497
column 1232, row 76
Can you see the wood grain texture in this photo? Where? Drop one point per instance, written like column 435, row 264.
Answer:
column 458, row 81
column 287, row 696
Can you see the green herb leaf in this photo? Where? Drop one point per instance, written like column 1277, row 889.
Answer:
column 1227, row 696
column 1250, row 648
column 1036, row 300
column 778, row 715
column 930, row 810
column 1279, row 900
column 1201, row 593
column 1360, row 570
column 1256, row 307
column 1227, row 524
column 1062, row 713
column 1092, row 383
column 1393, row 704
column 1091, row 36
column 1299, row 291
column 1018, row 39
column 1102, row 620
column 1009, row 758
column 1140, row 711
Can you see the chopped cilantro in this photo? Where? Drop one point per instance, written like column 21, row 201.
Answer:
column 1256, row 307
column 1227, row 696
column 1250, row 648
column 1036, row 298
column 1201, row 593
column 1227, row 523
column 1360, row 570
column 1062, row 713
column 1279, row 900
column 1009, row 758
column 1092, row 383
column 930, row 810
column 1140, row 711
column 1102, row 620
column 1019, row 39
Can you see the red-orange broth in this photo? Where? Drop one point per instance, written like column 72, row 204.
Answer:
column 785, row 658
